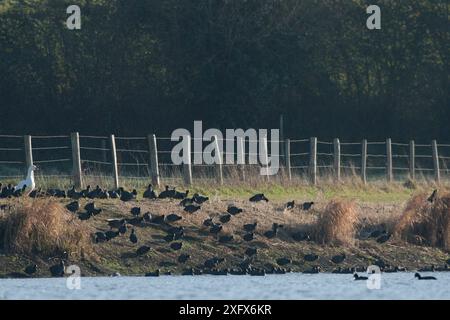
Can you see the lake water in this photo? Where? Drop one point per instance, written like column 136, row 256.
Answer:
column 289, row 286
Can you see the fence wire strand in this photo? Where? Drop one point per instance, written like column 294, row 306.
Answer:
column 442, row 158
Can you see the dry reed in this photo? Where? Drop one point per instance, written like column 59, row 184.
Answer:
column 44, row 227
column 426, row 223
column 336, row 224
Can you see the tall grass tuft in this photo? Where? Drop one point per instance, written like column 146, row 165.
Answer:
column 426, row 223
column 44, row 227
column 336, row 224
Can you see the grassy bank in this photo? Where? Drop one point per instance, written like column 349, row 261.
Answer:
column 278, row 188
column 375, row 208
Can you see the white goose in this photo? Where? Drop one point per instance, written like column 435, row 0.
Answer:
column 28, row 182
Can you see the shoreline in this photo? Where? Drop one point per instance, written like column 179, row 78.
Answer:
column 349, row 275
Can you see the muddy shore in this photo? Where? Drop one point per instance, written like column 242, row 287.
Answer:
column 119, row 255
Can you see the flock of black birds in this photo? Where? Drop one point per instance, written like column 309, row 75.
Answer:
column 8, row 191
column 175, row 234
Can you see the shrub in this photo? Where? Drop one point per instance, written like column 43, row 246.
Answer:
column 429, row 222
column 336, row 224
column 43, row 227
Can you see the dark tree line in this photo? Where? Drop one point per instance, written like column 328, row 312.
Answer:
column 152, row 66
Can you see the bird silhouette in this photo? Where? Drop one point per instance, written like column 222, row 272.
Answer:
column 290, row 205
column 258, row 197
column 433, row 196
column 133, row 236
column 307, row 205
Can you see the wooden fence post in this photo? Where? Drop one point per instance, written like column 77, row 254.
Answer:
column 265, row 151
column 282, row 144
column 287, row 157
column 241, row 157
column 437, row 174
column 28, row 151
column 364, row 161
column 219, row 161
column 187, row 167
column 153, row 158
column 389, row 171
column 112, row 141
column 337, row 159
column 412, row 160
column 313, row 160
column 76, row 160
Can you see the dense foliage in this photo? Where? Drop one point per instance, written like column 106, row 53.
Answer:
column 154, row 65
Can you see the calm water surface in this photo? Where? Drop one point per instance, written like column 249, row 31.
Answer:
column 289, row 286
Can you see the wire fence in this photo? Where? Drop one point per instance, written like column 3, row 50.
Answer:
column 81, row 156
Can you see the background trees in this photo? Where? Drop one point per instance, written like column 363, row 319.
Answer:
column 141, row 66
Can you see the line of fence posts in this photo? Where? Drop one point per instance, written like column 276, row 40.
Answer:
column 187, row 167
column 312, row 168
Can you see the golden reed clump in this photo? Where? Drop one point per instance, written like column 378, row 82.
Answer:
column 426, row 223
column 336, row 224
column 43, row 227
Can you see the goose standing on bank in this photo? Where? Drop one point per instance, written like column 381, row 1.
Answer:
column 29, row 182
column 58, row 270
column 250, row 227
column 215, row 228
column 208, row 222
column 181, row 195
column 150, row 193
column 176, row 245
column 199, row 198
column 167, row 193
column 433, row 196
column 226, row 238
column 248, row 236
column 123, row 229
column 173, row 217
column 19, row 192
column 259, row 197
column 7, row 191
column 73, row 206
column 307, row 205
column 233, row 210
column 290, row 205
column 192, row 208
column 272, row 233
column 133, row 237
column 31, row 269
column 225, row 218
column 127, row 196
